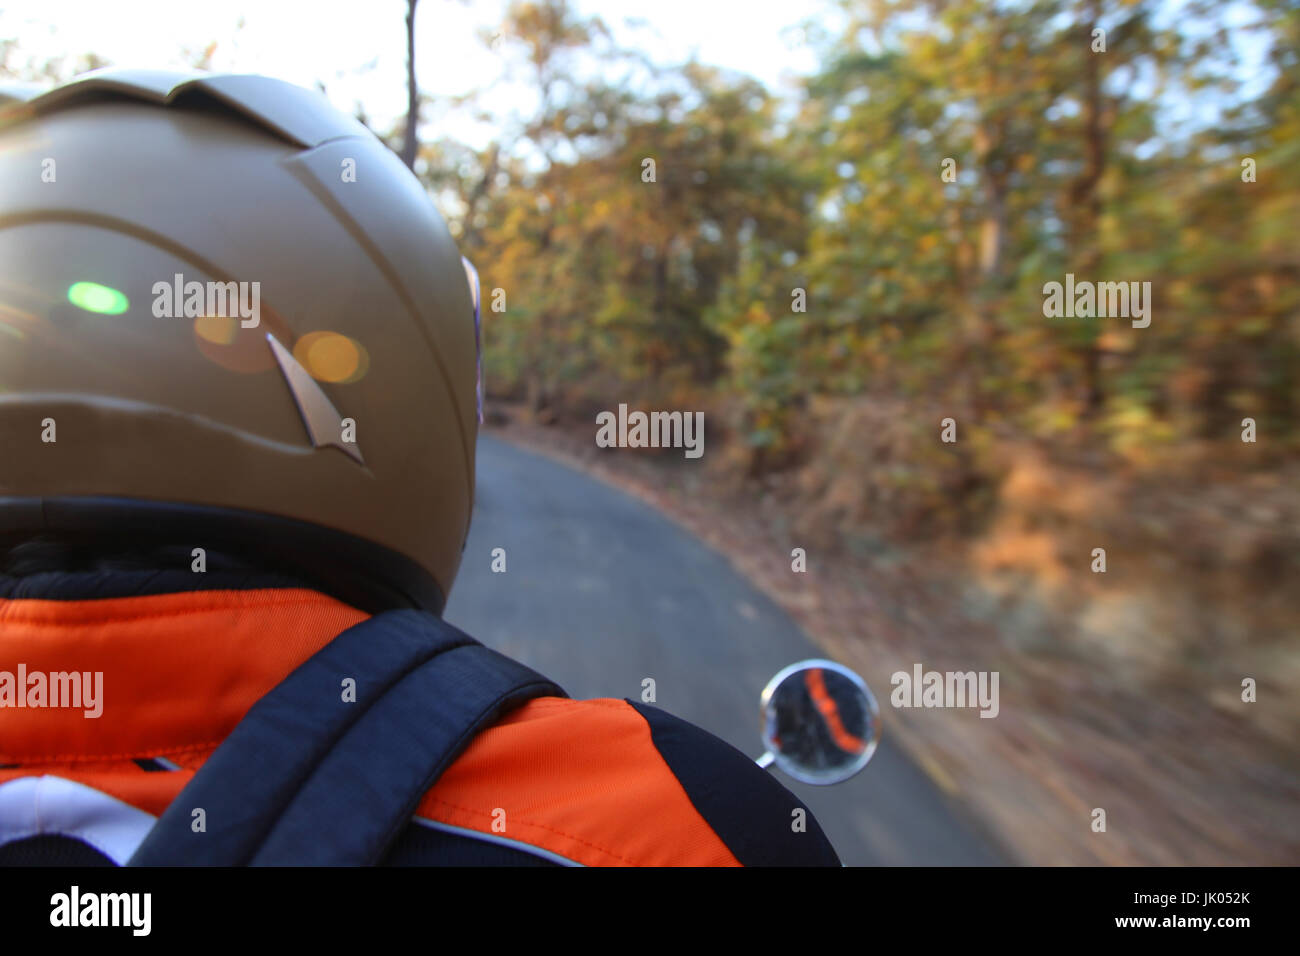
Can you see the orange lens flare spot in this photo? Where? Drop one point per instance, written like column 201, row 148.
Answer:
column 217, row 329
column 332, row 357
column 225, row 342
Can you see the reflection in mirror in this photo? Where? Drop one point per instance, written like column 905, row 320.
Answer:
column 820, row 722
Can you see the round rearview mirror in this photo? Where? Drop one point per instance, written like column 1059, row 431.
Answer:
column 820, row 724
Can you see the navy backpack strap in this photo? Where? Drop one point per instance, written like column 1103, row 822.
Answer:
column 310, row 776
column 367, row 788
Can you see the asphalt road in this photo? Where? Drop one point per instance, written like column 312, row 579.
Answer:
column 600, row 592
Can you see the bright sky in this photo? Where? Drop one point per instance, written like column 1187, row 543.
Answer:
column 358, row 50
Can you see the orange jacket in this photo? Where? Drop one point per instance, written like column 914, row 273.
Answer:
column 595, row 782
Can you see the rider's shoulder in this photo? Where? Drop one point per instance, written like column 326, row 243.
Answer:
column 761, row 821
column 615, row 781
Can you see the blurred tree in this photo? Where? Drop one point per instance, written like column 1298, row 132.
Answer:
column 411, row 138
column 894, row 234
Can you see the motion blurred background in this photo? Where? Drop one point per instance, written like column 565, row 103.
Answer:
column 802, row 270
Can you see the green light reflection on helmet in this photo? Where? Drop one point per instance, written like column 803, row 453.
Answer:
column 94, row 297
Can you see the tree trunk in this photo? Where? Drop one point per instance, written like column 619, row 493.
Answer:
column 1085, row 199
column 410, row 144
column 659, row 308
column 468, row 232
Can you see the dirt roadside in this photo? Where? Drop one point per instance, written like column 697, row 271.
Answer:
column 1179, row 782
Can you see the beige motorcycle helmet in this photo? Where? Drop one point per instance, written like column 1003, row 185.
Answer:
column 230, row 316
